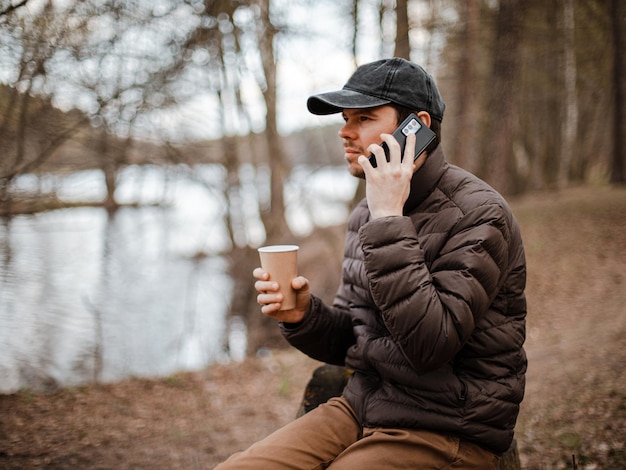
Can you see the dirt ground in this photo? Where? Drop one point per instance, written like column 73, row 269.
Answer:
column 574, row 409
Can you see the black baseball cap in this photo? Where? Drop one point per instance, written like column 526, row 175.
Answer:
column 383, row 82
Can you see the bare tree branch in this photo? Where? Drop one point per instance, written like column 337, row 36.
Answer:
column 11, row 8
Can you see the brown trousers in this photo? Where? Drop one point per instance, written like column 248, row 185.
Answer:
column 331, row 437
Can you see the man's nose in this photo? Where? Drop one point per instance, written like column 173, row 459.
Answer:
column 346, row 131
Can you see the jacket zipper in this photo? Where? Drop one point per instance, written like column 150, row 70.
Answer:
column 463, row 394
column 379, row 382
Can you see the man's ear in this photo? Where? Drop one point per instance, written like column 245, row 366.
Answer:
column 424, row 117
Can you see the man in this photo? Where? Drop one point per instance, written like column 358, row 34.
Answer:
column 431, row 310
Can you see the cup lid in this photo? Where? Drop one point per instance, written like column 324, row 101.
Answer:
column 278, row 248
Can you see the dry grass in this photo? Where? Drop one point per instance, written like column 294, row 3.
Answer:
column 576, row 389
column 576, row 338
column 189, row 420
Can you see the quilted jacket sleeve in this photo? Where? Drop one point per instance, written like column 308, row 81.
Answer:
column 431, row 311
column 325, row 334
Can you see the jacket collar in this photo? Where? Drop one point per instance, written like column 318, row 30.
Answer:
column 425, row 179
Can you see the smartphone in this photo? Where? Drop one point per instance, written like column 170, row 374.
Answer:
column 411, row 125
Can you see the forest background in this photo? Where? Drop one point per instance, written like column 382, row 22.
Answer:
column 534, row 92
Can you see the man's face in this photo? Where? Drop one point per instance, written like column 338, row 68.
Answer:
column 363, row 127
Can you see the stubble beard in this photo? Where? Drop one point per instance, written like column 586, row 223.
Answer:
column 356, row 170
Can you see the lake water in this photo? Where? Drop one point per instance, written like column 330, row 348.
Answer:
column 85, row 296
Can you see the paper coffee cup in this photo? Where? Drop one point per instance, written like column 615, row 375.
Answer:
column 281, row 262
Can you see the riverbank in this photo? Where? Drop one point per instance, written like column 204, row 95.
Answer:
column 575, row 400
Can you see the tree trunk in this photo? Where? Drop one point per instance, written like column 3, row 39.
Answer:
column 618, row 159
column 262, row 330
column 276, row 227
column 467, row 98
column 109, row 168
column 544, row 152
column 569, row 124
column 498, row 164
column 354, row 13
column 402, row 47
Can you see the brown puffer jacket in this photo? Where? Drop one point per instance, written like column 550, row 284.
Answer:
column 431, row 312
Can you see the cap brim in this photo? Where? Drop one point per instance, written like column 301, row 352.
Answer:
column 336, row 101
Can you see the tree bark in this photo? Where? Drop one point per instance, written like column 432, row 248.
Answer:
column 276, row 227
column 498, row 164
column 618, row 159
column 467, row 98
column 569, row 124
column 403, row 46
column 109, row 169
column 354, row 12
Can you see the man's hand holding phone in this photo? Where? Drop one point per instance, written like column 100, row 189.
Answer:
column 390, row 167
column 388, row 185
